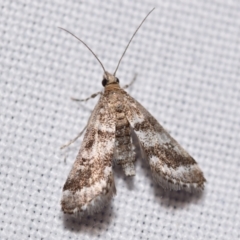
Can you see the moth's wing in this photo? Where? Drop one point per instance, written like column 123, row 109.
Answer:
column 172, row 167
column 90, row 184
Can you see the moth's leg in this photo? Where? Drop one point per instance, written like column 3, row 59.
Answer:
column 80, row 134
column 128, row 85
column 73, row 140
column 84, row 100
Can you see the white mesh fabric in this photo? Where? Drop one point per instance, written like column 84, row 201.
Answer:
column 187, row 57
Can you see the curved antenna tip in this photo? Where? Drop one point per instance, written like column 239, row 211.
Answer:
column 85, row 46
column 131, row 40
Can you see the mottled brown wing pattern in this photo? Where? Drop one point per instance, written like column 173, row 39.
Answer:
column 90, row 184
column 172, row 167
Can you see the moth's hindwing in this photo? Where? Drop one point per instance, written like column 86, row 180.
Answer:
column 172, row 167
column 90, row 184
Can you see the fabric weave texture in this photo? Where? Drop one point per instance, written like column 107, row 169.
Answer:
column 187, row 60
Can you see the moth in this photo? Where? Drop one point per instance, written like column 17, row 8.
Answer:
column 108, row 140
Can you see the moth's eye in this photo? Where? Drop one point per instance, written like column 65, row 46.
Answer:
column 104, row 82
column 117, row 80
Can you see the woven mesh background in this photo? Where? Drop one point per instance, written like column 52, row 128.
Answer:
column 187, row 57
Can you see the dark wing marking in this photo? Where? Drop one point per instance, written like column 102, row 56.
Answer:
column 172, row 167
column 90, row 184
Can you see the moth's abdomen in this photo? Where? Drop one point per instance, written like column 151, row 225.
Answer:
column 124, row 149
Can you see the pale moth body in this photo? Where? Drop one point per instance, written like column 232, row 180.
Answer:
column 107, row 141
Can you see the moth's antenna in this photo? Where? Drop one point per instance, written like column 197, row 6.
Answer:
column 131, row 40
column 85, row 46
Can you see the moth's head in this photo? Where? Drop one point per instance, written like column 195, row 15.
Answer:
column 108, row 79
